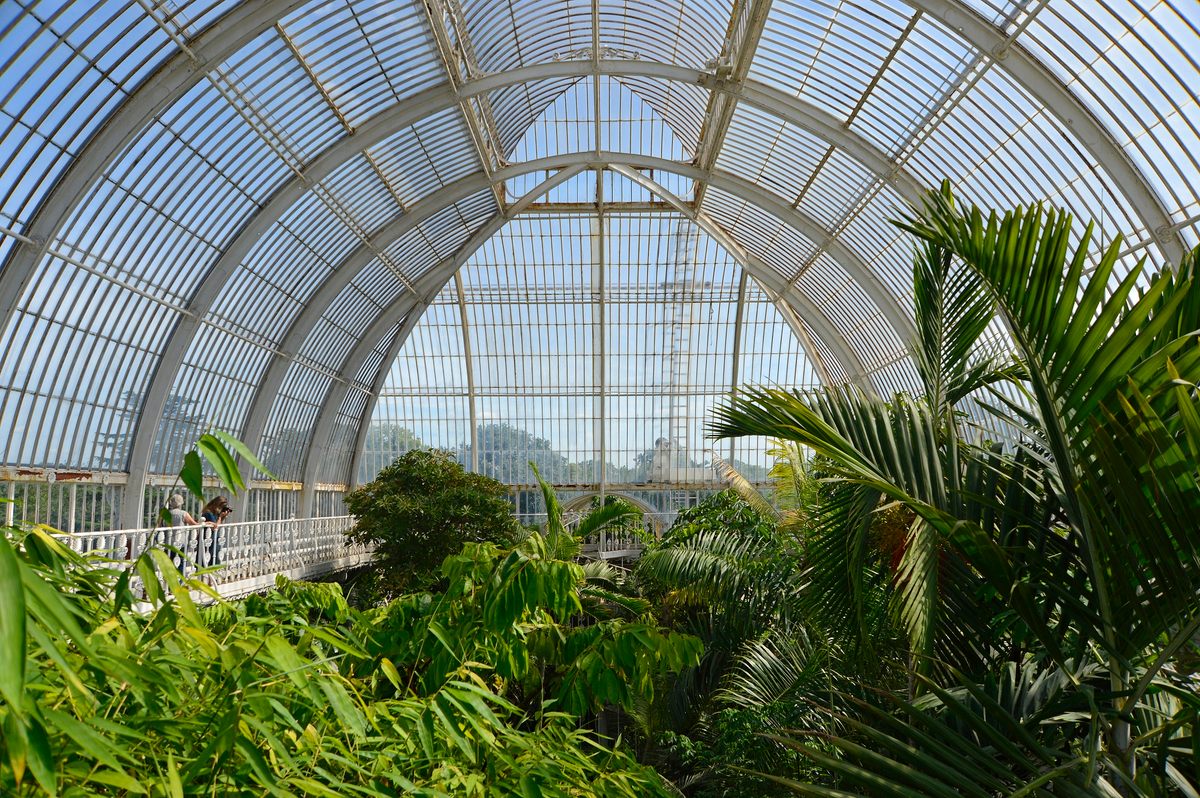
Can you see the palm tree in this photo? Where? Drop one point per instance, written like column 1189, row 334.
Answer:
column 1082, row 528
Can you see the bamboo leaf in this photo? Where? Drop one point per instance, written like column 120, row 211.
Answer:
column 12, row 627
column 244, row 451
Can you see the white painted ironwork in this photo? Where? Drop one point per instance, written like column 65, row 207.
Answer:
column 238, row 558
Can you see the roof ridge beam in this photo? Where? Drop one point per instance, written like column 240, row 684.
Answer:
column 457, row 55
column 732, row 66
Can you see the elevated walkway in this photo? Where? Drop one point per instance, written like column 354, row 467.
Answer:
column 247, row 555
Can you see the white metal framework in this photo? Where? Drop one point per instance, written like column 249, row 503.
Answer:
column 315, row 224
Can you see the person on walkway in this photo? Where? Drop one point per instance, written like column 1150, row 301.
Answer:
column 214, row 513
column 180, row 517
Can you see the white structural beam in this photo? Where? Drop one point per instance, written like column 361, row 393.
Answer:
column 464, row 320
column 1059, row 101
column 746, row 24
column 453, row 45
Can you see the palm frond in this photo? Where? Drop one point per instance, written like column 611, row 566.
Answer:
column 742, row 487
column 775, row 668
column 609, row 515
column 1102, row 366
column 952, row 309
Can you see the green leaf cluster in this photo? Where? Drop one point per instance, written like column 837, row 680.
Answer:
column 1047, row 586
column 116, row 681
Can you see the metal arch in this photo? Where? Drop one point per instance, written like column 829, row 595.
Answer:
column 177, row 347
column 1067, row 108
column 438, row 99
column 328, row 290
column 441, row 98
column 352, row 264
column 801, row 222
column 168, row 83
column 338, row 389
column 319, row 441
column 143, row 106
column 245, row 21
column 416, row 309
column 428, row 287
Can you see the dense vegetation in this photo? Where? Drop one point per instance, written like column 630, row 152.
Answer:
column 1046, row 587
column 989, row 588
column 478, row 689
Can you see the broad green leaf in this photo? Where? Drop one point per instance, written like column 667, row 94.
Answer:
column 91, row 743
column 12, row 627
column 244, row 451
column 120, row 779
column 192, row 476
column 222, row 462
column 174, row 784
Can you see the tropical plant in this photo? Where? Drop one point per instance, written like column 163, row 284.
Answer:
column 725, row 574
column 1076, row 544
column 423, row 508
column 277, row 695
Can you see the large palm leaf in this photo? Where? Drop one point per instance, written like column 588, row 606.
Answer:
column 899, row 450
column 1111, row 374
column 953, row 309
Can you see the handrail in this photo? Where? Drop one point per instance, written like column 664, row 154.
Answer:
column 246, row 555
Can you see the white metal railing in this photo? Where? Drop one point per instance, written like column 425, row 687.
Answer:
column 612, row 547
column 247, row 555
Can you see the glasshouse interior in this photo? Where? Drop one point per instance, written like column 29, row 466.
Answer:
column 600, row 397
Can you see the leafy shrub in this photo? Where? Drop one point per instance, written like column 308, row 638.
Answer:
column 423, row 508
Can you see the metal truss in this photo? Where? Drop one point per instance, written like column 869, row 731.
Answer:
column 469, row 89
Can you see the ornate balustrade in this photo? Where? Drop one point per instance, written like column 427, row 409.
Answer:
column 245, row 557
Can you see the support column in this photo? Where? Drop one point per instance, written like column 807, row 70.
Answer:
column 470, row 367
column 599, row 353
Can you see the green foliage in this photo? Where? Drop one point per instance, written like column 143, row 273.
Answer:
column 296, row 693
column 1073, row 552
column 725, row 573
column 220, row 450
column 423, row 508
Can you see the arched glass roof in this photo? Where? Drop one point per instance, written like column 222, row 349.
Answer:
column 290, row 218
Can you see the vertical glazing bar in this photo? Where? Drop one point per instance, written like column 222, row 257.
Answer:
column 738, row 323
column 72, row 495
column 599, row 353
